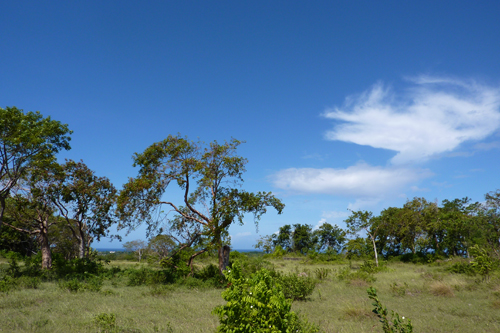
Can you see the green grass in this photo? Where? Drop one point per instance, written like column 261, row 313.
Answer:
column 435, row 301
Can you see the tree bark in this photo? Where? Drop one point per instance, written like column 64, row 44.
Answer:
column 223, row 258
column 45, row 249
column 375, row 250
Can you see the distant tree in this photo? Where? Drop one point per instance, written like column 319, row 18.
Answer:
column 86, row 202
column 162, row 245
column 266, row 243
column 27, row 140
column 209, row 177
column 303, row 238
column 364, row 220
column 284, row 238
column 137, row 246
column 330, row 238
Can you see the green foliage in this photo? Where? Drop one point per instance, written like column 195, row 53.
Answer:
column 147, row 276
column 210, row 177
column 296, row 286
column 106, row 322
column 397, row 325
column 322, row 273
column 345, row 274
column 482, row 263
column 7, row 283
column 257, row 304
column 73, row 285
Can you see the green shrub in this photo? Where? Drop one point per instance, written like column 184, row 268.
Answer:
column 296, row 286
column 7, row 284
column 29, row 282
column 93, row 283
column 73, row 285
column 106, row 322
column 257, row 304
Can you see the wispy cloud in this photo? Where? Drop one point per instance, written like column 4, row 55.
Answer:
column 434, row 116
column 358, row 180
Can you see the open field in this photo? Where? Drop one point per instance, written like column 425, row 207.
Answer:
column 435, row 300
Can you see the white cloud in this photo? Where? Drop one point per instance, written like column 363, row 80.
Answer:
column 433, row 117
column 358, row 180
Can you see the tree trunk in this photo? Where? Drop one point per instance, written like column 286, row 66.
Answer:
column 2, row 210
column 375, row 250
column 45, row 249
column 81, row 248
column 223, row 258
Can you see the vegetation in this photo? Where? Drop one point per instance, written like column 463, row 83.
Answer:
column 424, row 259
column 210, row 178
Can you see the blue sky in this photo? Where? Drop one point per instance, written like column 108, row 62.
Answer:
column 342, row 104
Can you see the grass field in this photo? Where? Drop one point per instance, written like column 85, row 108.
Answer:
column 435, row 300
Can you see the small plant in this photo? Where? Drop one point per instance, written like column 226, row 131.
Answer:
column 297, row 286
column 106, row 322
column 322, row 273
column 397, row 325
column 257, row 304
column 482, row 262
column 399, row 290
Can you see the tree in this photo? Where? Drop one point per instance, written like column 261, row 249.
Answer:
column 85, row 201
column 137, row 246
column 363, row 220
column 284, row 238
column 209, row 178
column 266, row 243
column 303, row 238
column 330, row 238
column 162, row 245
column 34, row 210
column 27, row 140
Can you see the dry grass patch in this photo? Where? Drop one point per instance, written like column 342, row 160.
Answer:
column 358, row 283
column 441, row 289
column 358, row 313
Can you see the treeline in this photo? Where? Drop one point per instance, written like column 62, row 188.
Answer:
column 420, row 228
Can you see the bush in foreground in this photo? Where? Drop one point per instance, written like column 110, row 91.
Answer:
column 257, row 304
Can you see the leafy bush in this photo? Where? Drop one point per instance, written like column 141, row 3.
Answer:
column 397, row 325
column 106, row 322
column 73, row 285
column 257, row 304
column 296, row 286
column 7, row 284
column 146, row 276
column 29, row 282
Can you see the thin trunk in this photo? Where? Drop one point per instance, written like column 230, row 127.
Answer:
column 223, row 258
column 375, row 250
column 2, row 210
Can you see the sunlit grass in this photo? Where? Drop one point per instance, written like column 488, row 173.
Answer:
column 435, row 300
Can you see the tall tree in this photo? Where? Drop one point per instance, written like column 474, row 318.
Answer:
column 27, row 140
column 86, row 202
column 209, row 177
column 33, row 209
column 303, row 238
column 364, row 220
column 330, row 238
